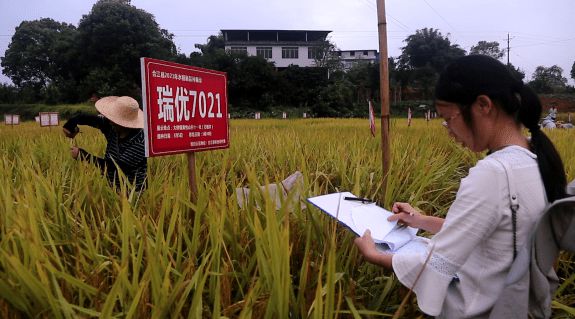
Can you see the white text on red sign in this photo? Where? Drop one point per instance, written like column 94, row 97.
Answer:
column 176, row 108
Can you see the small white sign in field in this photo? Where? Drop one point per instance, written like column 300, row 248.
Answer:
column 49, row 119
column 11, row 119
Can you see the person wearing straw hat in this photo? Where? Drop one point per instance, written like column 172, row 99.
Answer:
column 121, row 121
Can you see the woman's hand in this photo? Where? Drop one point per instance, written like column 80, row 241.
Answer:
column 366, row 247
column 407, row 215
column 74, row 151
column 71, row 134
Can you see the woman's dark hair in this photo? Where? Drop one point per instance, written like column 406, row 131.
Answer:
column 466, row 78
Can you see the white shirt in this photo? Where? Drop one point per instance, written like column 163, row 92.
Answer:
column 475, row 243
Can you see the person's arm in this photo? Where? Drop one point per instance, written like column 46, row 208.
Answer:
column 406, row 214
column 71, row 126
column 83, row 155
column 432, row 224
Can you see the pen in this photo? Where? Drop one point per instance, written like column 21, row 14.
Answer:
column 363, row 200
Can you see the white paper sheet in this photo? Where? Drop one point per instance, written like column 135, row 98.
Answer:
column 359, row 217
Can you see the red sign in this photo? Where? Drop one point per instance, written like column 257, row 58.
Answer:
column 185, row 108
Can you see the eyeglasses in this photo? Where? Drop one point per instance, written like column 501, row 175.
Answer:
column 446, row 122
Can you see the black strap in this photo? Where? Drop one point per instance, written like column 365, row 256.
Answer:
column 514, row 222
column 513, row 203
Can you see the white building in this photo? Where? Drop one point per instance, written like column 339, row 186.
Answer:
column 283, row 47
column 352, row 57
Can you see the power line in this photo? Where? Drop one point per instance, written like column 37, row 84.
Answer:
column 401, row 24
column 543, row 43
column 442, row 18
column 371, row 5
column 397, row 22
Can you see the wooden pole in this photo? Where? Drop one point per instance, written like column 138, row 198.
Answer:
column 384, row 92
column 192, row 177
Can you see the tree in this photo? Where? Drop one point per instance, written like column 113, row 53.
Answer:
column 516, row 72
column 365, row 79
column 215, row 43
column 573, row 71
column 488, row 48
column 336, row 99
column 299, row 86
column 326, row 57
column 39, row 53
column 254, row 82
column 8, row 93
column 548, row 80
column 425, row 54
column 112, row 38
column 428, row 48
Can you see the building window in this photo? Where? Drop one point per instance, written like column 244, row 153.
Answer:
column 364, row 52
column 289, row 52
column 239, row 50
column 264, row 52
column 352, row 53
column 314, row 53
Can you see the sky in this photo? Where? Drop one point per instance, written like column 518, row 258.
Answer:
column 541, row 33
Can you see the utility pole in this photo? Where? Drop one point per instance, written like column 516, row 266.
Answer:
column 383, row 93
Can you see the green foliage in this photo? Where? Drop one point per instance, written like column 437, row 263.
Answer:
column 548, row 80
column 113, row 37
column 365, row 79
column 488, row 48
column 28, row 112
column 326, row 57
column 38, row 53
column 254, row 83
column 215, row 43
column 425, row 54
column 52, row 62
column 8, row 93
column 516, row 72
column 300, row 87
column 335, row 100
column 429, row 48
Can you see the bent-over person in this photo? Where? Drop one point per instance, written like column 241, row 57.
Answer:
column 121, row 121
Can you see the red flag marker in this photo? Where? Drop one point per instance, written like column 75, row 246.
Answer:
column 371, row 119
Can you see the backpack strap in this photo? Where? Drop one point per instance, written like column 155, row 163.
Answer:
column 513, row 201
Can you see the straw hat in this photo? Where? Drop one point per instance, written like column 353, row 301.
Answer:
column 122, row 110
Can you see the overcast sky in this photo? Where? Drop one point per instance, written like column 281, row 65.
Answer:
column 541, row 32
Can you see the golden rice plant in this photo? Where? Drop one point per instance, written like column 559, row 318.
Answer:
column 71, row 246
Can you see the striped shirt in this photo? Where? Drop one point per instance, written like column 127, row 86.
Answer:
column 127, row 153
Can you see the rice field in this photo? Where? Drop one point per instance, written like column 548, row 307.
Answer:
column 71, row 247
